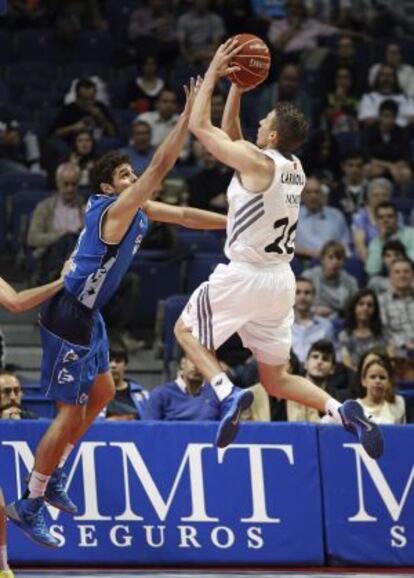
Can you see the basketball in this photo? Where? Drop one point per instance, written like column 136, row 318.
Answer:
column 254, row 61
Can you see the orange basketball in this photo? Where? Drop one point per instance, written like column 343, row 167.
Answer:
column 253, row 61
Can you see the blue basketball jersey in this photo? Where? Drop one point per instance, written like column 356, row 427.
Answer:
column 98, row 267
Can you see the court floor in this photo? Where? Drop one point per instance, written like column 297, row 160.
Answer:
column 203, row 574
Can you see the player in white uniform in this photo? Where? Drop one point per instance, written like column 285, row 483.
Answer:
column 254, row 294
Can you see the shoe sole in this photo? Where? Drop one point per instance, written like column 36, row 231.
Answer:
column 59, row 507
column 368, row 432
column 230, row 424
column 13, row 516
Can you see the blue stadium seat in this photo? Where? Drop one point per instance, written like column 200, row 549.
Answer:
column 338, row 325
column 355, row 267
column 24, row 203
column 40, row 405
column 105, row 144
column 41, row 44
column 10, row 184
column 405, row 205
column 95, row 45
column 297, row 266
column 6, row 43
column 199, row 241
column 161, row 278
column 173, row 306
column 81, row 69
column 118, row 12
column 200, row 268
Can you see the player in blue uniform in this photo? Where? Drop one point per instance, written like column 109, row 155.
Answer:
column 75, row 364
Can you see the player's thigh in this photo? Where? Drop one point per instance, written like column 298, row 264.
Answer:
column 218, row 307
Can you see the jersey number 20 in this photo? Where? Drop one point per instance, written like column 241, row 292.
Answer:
column 284, row 242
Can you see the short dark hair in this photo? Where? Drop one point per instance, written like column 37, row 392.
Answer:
column 118, row 353
column 103, row 169
column 390, row 106
column 292, row 126
column 306, row 280
column 84, row 83
column 394, row 245
column 323, row 346
column 386, row 205
column 352, row 154
column 337, row 249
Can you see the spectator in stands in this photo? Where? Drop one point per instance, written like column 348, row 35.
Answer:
column 343, row 56
column 143, row 91
column 388, row 228
column 319, row 365
column 318, row 223
column 377, row 394
column 163, row 119
column 386, row 87
column 152, row 30
column 130, row 397
column 286, row 88
column 199, row 32
column 187, row 398
column 308, row 327
column 11, row 398
column 405, row 72
column 397, row 307
column 391, row 251
column 387, row 146
column 297, row 34
column 333, row 285
column 341, row 104
column 140, row 150
column 19, row 152
column 364, row 223
column 56, row 223
column 350, row 194
column 208, row 187
column 362, row 328
column 83, row 155
column 86, row 113
column 72, row 16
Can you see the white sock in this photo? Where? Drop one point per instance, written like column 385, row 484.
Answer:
column 37, row 484
column 331, row 408
column 65, row 455
column 222, row 385
column 3, row 558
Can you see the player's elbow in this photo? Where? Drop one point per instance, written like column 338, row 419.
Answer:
column 13, row 305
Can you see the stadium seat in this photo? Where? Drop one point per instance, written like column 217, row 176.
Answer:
column 41, row 44
column 24, row 203
column 199, row 241
column 200, row 268
column 355, row 267
column 173, row 306
column 40, row 405
column 10, row 184
column 95, row 45
column 297, row 266
column 6, row 43
column 105, row 144
column 161, row 278
column 404, row 205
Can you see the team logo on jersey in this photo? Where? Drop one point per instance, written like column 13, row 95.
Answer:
column 83, row 399
column 70, row 356
column 65, row 377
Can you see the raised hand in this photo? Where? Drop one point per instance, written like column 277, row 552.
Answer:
column 221, row 62
column 191, row 91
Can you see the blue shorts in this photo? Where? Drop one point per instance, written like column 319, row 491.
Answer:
column 75, row 349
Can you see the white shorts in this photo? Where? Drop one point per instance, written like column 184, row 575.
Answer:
column 252, row 300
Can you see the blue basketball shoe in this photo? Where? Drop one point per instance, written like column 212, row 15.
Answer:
column 229, row 425
column 368, row 432
column 28, row 515
column 56, row 493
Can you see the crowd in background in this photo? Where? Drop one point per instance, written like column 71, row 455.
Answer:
column 110, row 76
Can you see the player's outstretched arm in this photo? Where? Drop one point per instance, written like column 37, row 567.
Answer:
column 122, row 211
column 184, row 216
column 240, row 155
column 19, row 301
column 230, row 122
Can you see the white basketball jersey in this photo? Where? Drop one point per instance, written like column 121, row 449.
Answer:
column 261, row 227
